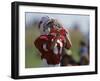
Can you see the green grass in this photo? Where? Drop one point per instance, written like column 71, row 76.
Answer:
column 76, row 36
column 32, row 58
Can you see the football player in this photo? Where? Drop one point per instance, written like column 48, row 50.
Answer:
column 51, row 45
column 83, row 51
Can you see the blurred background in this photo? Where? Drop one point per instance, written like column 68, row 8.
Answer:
column 78, row 26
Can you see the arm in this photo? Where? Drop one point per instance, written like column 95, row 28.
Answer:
column 67, row 42
column 39, row 44
column 55, row 40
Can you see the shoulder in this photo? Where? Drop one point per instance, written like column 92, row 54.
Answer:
column 40, row 40
column 43, row 37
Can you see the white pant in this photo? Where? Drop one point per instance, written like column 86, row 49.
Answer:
column 45, row 64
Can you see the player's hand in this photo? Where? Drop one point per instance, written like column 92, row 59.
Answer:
column 58, row 33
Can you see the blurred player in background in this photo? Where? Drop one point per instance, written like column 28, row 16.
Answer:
column 84, row 56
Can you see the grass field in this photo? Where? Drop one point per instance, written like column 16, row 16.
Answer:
column 32, row 58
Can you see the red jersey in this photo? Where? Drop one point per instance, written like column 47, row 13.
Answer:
column 43, row 44
column 62, row 32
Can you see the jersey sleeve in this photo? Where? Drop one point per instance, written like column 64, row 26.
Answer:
column 39, row 42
